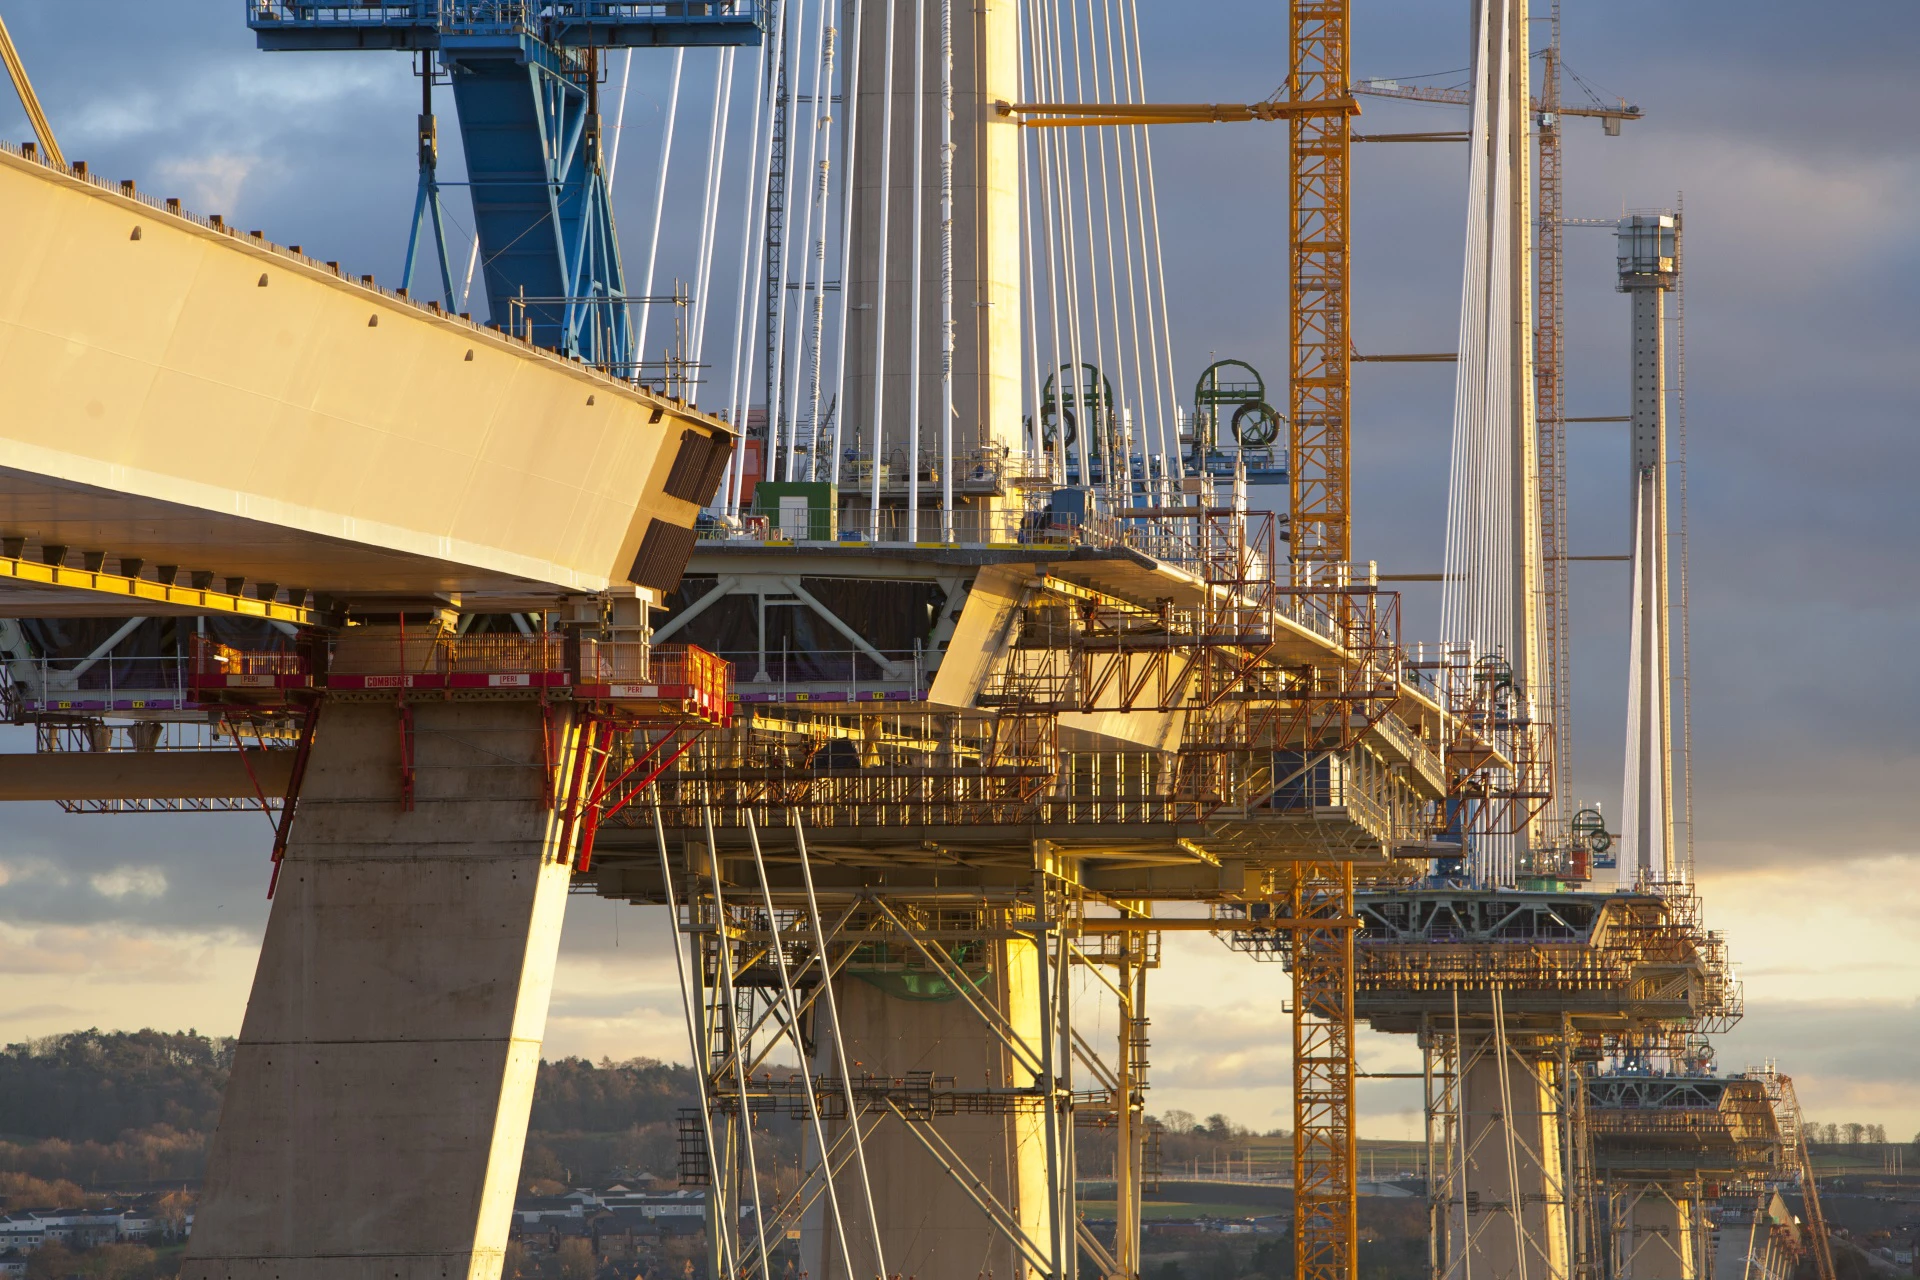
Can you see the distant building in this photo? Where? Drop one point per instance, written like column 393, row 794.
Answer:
column 21, row 1233
column 75, row 1228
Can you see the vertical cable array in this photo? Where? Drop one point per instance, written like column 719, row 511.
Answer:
column 659, row 205
column 1490, row 543
column 851, row 17
column 814, row 254
column 1100, row 382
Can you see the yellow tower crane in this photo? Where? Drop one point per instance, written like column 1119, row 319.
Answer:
column 1318, row 105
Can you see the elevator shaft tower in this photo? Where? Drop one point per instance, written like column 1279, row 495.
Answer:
column 1649, row 268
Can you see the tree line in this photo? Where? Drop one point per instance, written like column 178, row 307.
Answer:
column 1852, row 1133
column 102, row 1108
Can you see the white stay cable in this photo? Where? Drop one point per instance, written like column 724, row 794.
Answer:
column 850, row 104
column 619, row 119
column 1063, row 161
column 1035, row 444
column 710, row 203
column 1053, row 222
column 1159, row 277
column 816, row 346
column 816, row 314
column 946, row 273
column 659, row 206
column 742, row 322
column 1120, row 463
column 793, row 46
column 880, row 272
column 914, row 260
column 1099, row 430
column 1153, row 440
column 808, row 182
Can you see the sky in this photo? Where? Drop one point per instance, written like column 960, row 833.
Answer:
column 1790, row 142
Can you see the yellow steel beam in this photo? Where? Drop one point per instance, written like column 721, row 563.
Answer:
column 1080, row 114
column 143, row 591
column 1212, row 924
column 17, row 72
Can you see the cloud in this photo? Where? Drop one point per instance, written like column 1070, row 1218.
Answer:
column 117, row 955
column 213, row 181
column 130, row 882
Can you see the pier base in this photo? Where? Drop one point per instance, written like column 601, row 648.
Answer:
column 931, row 1228
column 1515, row 1224
column 1656, row 1237
column 374, row 1121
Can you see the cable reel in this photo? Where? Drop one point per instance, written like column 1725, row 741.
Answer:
column 1255, row 424
column 1095, row 392
column 1589, row 831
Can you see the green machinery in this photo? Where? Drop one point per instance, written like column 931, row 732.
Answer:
column 1234, row 389
column 1061, row 408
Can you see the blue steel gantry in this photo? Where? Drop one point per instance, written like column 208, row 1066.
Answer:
column 525, row 76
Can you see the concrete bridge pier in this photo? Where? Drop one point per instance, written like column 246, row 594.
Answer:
column 373, row 1125
column 1515, row 1210
column 1656, row 1236
column 930, row 1227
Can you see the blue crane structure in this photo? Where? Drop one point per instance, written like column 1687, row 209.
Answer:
column 525, row 77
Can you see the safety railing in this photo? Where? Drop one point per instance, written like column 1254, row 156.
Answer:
column 632, row 666
column 211, row 658
column 97, row 682
column 503, row 654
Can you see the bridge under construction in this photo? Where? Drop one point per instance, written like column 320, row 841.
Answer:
column 894, row 626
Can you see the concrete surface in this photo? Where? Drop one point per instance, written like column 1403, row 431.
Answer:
column 373, row 1125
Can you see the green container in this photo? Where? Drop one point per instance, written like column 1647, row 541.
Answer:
column 798, row 510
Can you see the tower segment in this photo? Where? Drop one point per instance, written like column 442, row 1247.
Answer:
column 1648, row 265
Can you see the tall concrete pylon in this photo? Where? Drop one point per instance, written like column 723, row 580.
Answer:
column 1648, row 264
column 986, row 232
column 378, row 1106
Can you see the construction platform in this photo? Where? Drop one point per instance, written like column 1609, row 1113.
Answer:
column 1588, row 964
column 1648, row 1125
